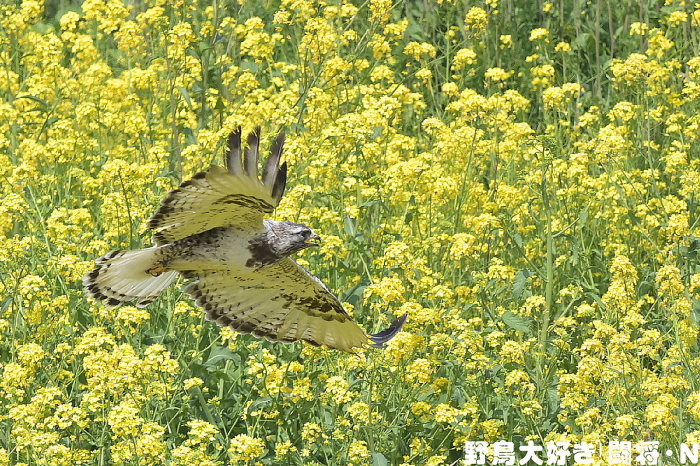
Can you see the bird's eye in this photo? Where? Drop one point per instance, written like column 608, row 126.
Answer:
column 306, row 233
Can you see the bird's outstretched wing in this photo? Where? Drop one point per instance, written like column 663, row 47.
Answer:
column 218, row 197
column 281, row 302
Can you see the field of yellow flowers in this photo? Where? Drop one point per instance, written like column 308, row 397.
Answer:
column 520, row 178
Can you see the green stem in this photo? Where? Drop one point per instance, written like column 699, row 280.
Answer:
column 542, row 340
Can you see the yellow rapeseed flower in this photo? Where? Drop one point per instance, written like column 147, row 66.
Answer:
column 246, row 448
column 476, row 19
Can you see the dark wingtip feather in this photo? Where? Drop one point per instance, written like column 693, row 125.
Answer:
column 272, row 166
column 251, row 153
column 280, row 183
column 233, row 155
column 379, row 340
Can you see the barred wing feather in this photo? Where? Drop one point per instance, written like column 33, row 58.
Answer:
column 233, row 197
column 281, row 302
column 211, row 199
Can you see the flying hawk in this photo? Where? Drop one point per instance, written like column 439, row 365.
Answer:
column 212, row 231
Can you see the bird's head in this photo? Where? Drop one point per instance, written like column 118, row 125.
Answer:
column 289, row 237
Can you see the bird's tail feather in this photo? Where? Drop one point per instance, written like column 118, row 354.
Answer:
column 129, row 276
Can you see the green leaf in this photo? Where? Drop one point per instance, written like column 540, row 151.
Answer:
column 185, row 95
column 378, row 459
column 520, row 283
column 43, row 103
column 374, row 202
column 517, row 237
column 516, row 322
column 220, row 354
column 583, row 217
column 553, row 399
column 349, row 226
column 354, row 295
column 696, row 310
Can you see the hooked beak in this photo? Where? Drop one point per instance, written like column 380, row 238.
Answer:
column 313, row 237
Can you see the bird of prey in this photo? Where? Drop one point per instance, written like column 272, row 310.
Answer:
column 212, row 231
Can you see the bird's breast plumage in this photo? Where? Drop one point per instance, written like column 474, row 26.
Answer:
column 215, row 249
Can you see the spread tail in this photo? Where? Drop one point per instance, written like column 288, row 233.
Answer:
column 137, row 276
